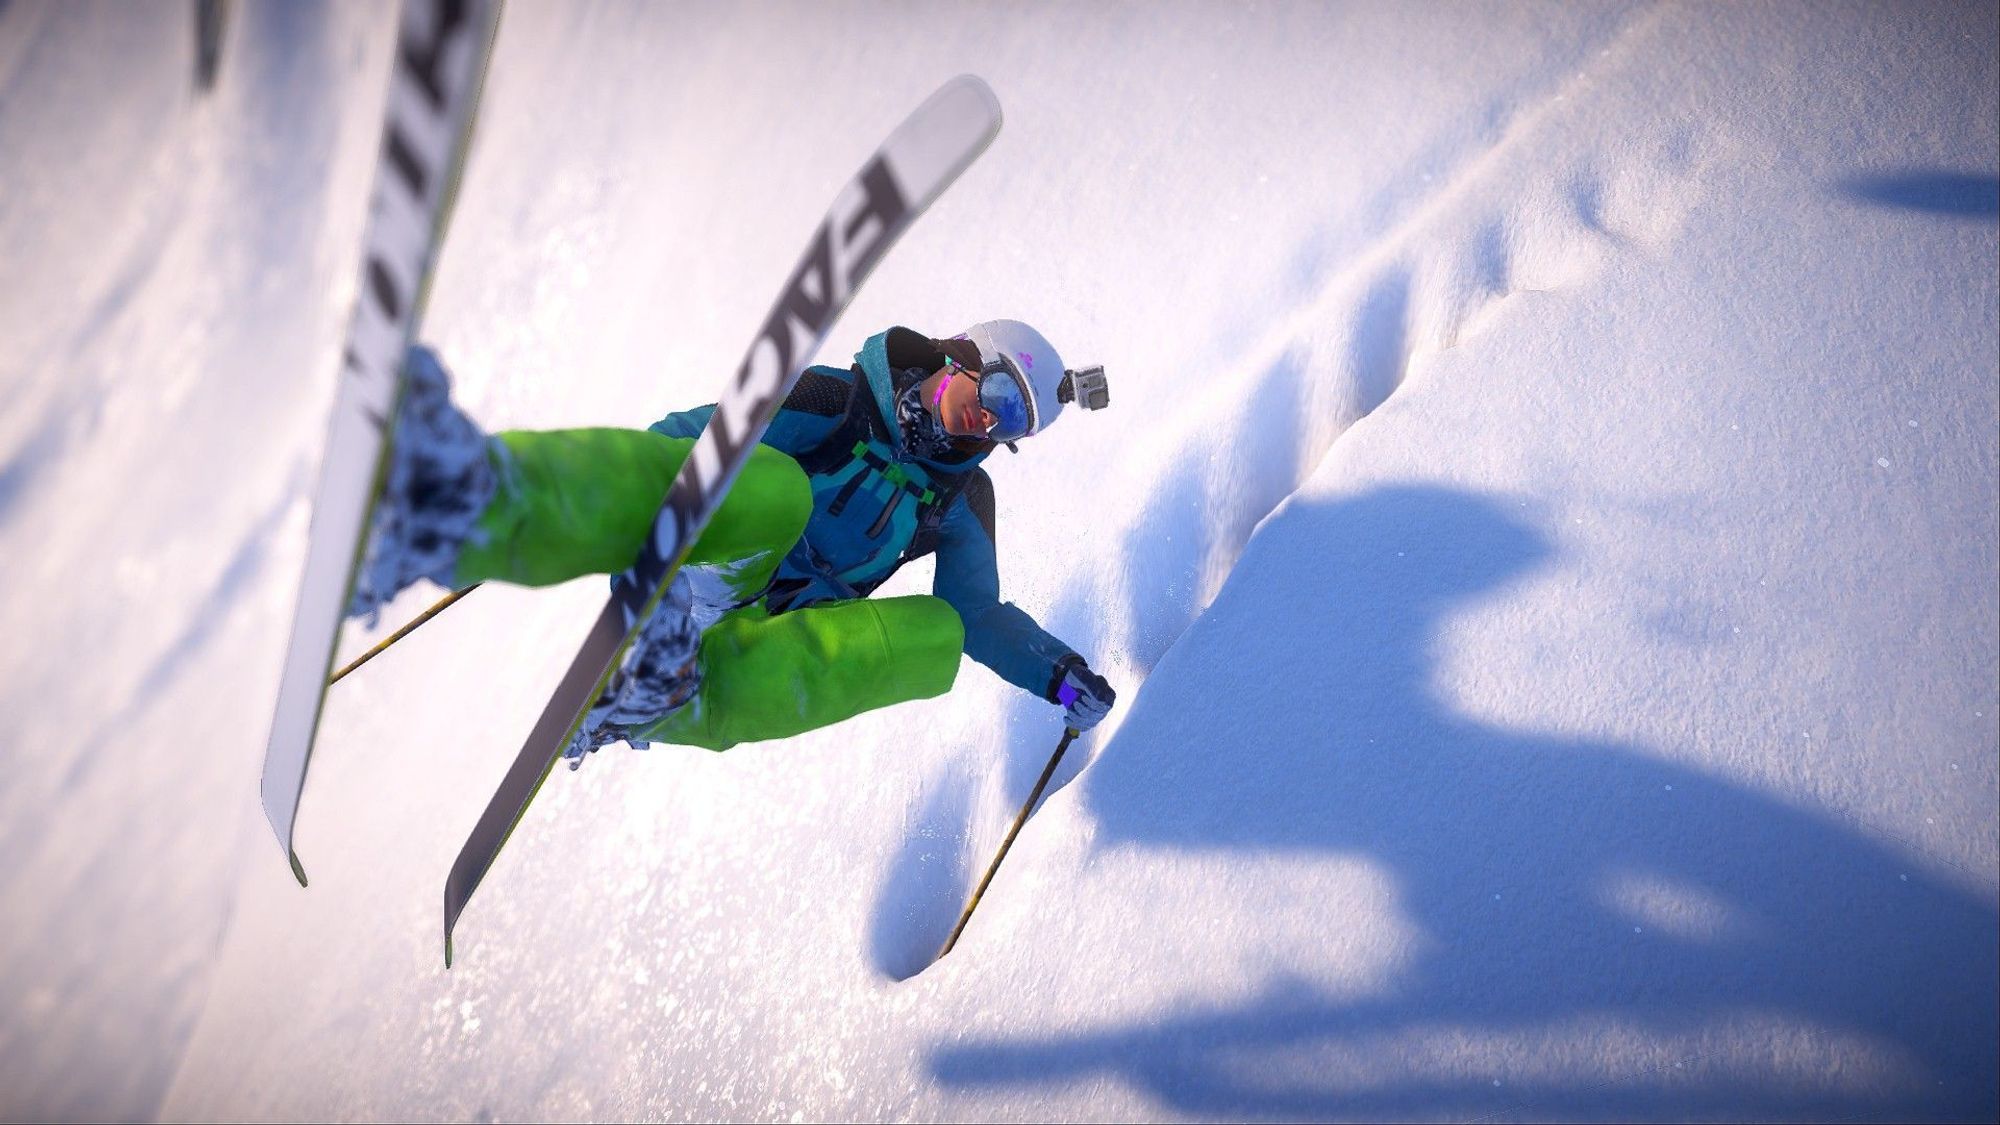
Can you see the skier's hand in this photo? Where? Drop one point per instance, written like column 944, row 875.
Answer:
column 1085, row 696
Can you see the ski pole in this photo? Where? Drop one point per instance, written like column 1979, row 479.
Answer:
column 1048, row 771
column 442, row 605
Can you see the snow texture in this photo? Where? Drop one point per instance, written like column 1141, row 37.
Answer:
column 1544, row 538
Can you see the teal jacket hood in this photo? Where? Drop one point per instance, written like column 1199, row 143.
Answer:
column 884, row 360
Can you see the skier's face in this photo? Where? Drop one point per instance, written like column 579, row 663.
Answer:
column 951, row 395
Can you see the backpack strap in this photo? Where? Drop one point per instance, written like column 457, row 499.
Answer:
column 823, row 393
column 928, row 498
column 976, row 487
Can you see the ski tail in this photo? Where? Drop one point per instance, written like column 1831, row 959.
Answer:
column 904, row 177
column 442, row 51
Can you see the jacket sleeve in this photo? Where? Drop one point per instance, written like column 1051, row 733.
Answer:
column 809, row 414
column 998, row 634
column 684, row 423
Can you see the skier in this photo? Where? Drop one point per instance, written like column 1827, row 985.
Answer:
column 767, row 630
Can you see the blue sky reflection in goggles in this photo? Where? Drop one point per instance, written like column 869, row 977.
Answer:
column 1001, row 395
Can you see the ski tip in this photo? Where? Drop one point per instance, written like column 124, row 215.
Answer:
column 942, row 138
column 447, row 952
column 298, row 870
column 971, row 87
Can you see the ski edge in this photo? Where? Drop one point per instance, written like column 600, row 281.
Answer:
column 280, row 793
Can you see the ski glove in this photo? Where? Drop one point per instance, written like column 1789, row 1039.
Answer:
column 1085, row 696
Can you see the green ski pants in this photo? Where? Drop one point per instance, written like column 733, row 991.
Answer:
column 580, row 502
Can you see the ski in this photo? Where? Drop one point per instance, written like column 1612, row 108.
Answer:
column 442, row 50
column 911, row 169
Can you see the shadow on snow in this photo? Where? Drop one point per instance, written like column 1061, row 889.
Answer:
column 1930, row 192
column 1820, row 926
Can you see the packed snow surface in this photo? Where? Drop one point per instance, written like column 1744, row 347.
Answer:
column 1543, row 537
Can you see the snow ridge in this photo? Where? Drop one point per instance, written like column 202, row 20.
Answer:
column 1505, row 228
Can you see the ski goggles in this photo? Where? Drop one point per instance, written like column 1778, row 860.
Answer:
column 1002, row 395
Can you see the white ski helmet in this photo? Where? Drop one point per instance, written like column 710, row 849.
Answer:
column 1027, row 355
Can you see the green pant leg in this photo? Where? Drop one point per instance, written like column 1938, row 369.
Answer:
column 767, row 677
column 577, row 502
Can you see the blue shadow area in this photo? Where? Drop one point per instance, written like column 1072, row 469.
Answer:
column 1506, row 849
column 918, row 903
column 1955, row 194
column 21, row 472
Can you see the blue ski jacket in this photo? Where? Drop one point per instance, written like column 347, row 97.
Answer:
column 877, row 506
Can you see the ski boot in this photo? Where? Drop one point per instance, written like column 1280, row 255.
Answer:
column 440, row 482
column 661, row 672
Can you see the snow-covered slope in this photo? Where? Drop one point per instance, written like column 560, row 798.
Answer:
column 1544, row 537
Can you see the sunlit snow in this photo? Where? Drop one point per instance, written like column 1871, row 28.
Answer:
column 1555, row 663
